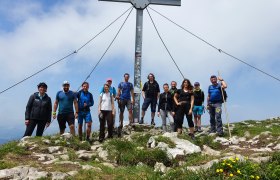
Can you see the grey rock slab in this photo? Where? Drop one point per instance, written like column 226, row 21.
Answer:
column 66, row 136
column 160, row 167
column 67, row 162
column 234, row 140
column 265, row 133
column 54, row 149
column 88, row 167
column 262, row 149
column 64, row 157
column 103, row 155
column 204, row 166
column 151, row 142
column 95, row 147
column 86, row 156
column 277, row 147
column 50, row 162
column 260, row 159
column 58, row 175
column 72, row 173
column 108, row 165
column 46, row 141
column 209, row 151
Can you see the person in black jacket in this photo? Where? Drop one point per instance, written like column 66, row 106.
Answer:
column 38, row 111
column 165, row 107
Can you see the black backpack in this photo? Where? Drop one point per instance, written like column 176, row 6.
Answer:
column 223, row 93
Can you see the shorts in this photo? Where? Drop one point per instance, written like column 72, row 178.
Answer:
column 147, row 102
column 123, row 103
column 63, row 118
column 198, row 110
column 84, row 115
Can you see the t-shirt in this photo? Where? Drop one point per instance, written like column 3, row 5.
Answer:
column 106, row 101
column 151, row 89
column 125, row 88
column 198, row 97
column 65, row 101
column 184, row 96
column 215, row 94
column 112, row 90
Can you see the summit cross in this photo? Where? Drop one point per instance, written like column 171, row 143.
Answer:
column 140, row 5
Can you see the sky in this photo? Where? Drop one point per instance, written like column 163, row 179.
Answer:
column 34, row 34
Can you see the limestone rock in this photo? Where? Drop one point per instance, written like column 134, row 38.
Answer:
column 59, row 175
column 151, row 143
column 54, row 149
column 260, row 159
column 88, row 167
column 64, row 157
column 204, row 166
column 183, row 146
column 66, row 136
column 103, row 155
column 277, row 147
column 211, row 152
column 160, row 167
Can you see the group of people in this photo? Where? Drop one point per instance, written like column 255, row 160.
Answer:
column 172, row 104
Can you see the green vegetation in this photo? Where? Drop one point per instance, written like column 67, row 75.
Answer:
column 166, row 140
column 126, row 153
column 13, row 148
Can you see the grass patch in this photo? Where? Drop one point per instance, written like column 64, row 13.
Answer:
column 121, row 173
column 197, row 159
column 141, row 139
column 208, row 141
column 7, row 165
column 126, row 153
column 12, row 147
column 166, row 140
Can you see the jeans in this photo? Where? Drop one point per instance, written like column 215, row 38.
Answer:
column 163, row 115
column 215, row 112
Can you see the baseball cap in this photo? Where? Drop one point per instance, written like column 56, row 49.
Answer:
column 109, row 79
column 43, row 85
column 196, row 84
column 65, row 83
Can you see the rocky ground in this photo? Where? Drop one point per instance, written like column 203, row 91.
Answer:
column 145, row 152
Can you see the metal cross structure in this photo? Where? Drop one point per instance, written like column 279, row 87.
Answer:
column 140, row 5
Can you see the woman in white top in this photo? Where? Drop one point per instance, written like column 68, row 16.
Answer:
column 106, row 112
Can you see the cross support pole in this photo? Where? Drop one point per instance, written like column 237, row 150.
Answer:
column 140, row 5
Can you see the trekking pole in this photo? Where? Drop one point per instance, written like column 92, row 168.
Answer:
column 48, row 126
column 85, row 131
column 225, row 107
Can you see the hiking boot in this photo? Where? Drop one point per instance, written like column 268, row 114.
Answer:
column 119, row 133
column 212, row 131
column 192, row 136
column 153, row 122
column 80, row 138
column 141, row 120
column 221, row 134
column 100, row 140
column 195, row 129
column 199, row 129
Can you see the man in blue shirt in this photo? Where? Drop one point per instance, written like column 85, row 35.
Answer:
column 85, row 101
column 64, row 100
column 214, row 104
column 125, row 92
